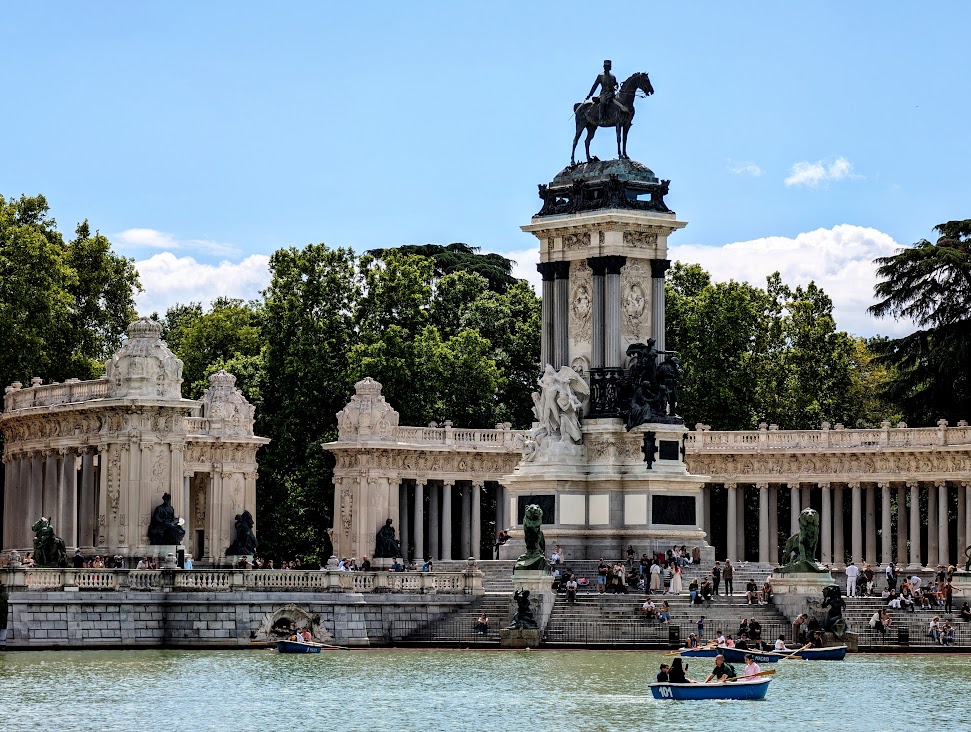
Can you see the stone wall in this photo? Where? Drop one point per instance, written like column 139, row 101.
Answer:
column 207, row 620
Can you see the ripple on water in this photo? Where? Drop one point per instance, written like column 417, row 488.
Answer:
column 453, row 690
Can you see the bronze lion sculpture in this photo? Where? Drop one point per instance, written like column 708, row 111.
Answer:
column 801, row 548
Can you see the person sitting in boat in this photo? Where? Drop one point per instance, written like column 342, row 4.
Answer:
column 729, row 642
column 722, row 671
column 780, row 644
column 676, row 673
column 751, row 667
column 662, row 675
column 817, row 640
column 742, row 642
column 692, row 640
column 305, row 636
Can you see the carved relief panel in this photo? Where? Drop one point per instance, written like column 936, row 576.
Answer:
column 581, row 301
column 634, row 300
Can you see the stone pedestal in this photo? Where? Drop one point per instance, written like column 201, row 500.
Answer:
column 799, row 592
column 520, row 638
column 165, row 555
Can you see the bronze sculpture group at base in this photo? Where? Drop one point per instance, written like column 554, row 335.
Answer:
column 245, row 542
column 523, row 619
column 49, row 549
column 386, row 546
column 534, row 558
column 165, row 528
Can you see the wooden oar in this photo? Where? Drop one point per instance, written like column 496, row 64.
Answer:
column 767, row 672
column 793, row 655
column 708, row 647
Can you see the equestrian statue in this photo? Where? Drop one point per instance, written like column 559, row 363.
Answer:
column 612, row 108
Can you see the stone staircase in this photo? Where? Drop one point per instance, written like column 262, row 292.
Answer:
column 496, row 573
column 617, row 620
column 906, row 629
column 458, row 627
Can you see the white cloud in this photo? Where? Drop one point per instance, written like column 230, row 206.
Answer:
column 525, row 266
column 744, row 168
column 840, row 260
column 168, row 280
column 154, row 239
column 809, row 174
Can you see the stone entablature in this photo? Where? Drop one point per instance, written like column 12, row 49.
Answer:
column 97, row 456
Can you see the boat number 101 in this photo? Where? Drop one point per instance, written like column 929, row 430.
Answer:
column 666, row 692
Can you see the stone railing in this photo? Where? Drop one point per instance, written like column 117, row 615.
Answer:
column 466, row 439
column 468, row 582
column 71, row 391
column 770, row 438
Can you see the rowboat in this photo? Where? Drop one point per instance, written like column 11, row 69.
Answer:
column 741, row 689
column 737, row 655
column 702, row 652
column 286, row 646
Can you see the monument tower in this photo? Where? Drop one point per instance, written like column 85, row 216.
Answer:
column 606, row 460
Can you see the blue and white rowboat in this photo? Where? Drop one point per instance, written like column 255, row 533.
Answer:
column 286, row 646
column 741, row 689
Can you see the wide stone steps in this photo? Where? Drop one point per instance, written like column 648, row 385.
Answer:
column 458, row 627
column 496, row 573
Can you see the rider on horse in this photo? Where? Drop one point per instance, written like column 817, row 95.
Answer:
column 608, row 85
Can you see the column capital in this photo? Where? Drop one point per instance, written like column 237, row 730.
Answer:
column 547, row 270
column 911, row 483
column 659, row 267
column 760, row 486
column 853, row 484
column 940, row 483
column 730, row 485
column 883, row 484
column 480, row 484
column 448, row 484
column 422, row 481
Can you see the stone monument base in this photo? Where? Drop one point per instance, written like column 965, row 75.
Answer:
column 165, row 555
column 794, row 592
column 509, row 638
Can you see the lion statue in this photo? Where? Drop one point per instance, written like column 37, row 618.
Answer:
column 800, row 551
column 534, row 558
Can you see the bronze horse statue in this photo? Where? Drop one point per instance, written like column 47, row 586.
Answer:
column 621, row 115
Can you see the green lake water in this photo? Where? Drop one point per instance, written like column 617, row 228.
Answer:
column 511, row 691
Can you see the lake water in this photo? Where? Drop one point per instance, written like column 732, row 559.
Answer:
column 511, row 691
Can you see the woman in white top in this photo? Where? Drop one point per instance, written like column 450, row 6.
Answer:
column 780, row 645
column 676, row 580
column 751, row 667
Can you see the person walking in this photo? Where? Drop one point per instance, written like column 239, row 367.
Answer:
column 728, row 573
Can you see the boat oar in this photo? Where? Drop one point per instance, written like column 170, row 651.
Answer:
column 699, row 648
column 767, row 672
column 794, row 655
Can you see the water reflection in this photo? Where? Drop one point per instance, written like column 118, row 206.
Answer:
column 453, row 690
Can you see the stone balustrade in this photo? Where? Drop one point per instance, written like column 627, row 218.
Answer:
column 466, row 438
column 223, row 580
column 770, row 438
column 71, row 391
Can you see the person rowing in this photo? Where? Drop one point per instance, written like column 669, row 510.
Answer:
column 751, row 667
column 722, row 671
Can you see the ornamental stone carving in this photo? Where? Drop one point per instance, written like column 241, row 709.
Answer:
column 223, row 401
column 367, row 416
column 633, row 299
column 640, row 239
column 578, row 240
column 581, row 301
column 144, row 367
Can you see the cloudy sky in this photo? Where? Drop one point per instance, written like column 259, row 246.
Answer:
column 200, row 137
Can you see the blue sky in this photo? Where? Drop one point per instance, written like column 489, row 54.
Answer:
column 202, row 136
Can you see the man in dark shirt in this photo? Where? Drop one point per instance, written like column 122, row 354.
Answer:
column 722, row 671
column 662, row 675
column 78, row 560
column 755, row 629
column 716, row 576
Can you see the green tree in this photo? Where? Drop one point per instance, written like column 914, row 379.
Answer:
column 930, row 283
column 459, row 257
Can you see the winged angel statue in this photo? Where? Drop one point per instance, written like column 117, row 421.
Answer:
column 557, row 410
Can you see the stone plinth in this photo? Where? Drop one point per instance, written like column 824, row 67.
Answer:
column 799, row 592
column 520, row 638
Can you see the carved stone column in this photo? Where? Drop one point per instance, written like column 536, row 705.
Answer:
column 773, row 524
column 700, row 500
column 794, row 508
column 805, row 494
column 501, row 499
column 613, row 357
column 51, row 479
column 658, row 268
column 561, row 327
column 476, row 519
column 36, row 492
column 901, row 524
column 871, row 523
column 933, row 539
column 731, row 542
column 405, row 522
column 886, row 536
column 826, row 530
column 466, row 534
column 447, row 490
column 740, row 531
column 434, row 522
column 856, row 520
column 962, row 537
column 69, row 499
column 547, row 270
column 419, row 532
column 943, row 542
column 839, row 540
column 9, row 490
column 599, row 268
column 763, row 522
column 706, row 489
column 87, row 506
column 914, row 524
column 966, row 488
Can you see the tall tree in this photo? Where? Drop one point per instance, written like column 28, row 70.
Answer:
column 459, row 257
column 930, row 283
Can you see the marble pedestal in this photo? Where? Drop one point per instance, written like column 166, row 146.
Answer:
column 509, row 638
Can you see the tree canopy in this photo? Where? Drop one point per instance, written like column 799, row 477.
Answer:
column 930, row 283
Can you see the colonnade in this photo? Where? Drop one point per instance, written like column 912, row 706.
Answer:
column 62, row 484
column 427, row 511
column 858, row 520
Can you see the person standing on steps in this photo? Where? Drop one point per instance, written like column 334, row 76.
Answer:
column 852, row 572
column 716, row 576
column 728, row 573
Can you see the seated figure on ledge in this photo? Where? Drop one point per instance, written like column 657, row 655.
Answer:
column 386, row 545
column 245, row 542
column 49, row 549
column 166, row 528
